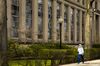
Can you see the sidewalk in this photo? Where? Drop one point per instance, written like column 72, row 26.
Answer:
column 87, row 63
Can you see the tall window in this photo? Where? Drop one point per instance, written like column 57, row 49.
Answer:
column 49, row 18
column 96, row 5
column 28, row 18
column 78, row 0
column 97, row 28
column 65, row 22
column 83, row 1
column 15, row 16
column 15, row 2
column 40, row 19
column 78, row 25
column 72, row 24
column 83, row 26
column 58, row 16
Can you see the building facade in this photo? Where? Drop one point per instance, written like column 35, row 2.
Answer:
column 37, row 20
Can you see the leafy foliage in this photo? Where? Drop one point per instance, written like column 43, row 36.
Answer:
column 48, row 52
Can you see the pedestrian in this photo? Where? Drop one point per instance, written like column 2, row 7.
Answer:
column 80, row 54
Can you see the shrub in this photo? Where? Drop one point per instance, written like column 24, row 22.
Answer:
column 96, row 45
column 93, row 53
column 50, row 52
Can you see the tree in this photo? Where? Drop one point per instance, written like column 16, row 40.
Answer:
column 3, row 33
column 87, row 25
column 89, row 4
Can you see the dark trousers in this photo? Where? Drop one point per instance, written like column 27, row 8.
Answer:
column 80, row 58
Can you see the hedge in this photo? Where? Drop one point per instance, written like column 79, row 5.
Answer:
column 96, row 45
column 93, row 53
column 49, row 52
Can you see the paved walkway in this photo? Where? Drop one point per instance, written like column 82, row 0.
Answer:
column 87, row 63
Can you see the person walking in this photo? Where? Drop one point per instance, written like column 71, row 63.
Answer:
column 80, row 53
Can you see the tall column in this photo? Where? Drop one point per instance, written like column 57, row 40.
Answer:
column 75, row 25
column 80, row 26
column 34, row 20
column 9, row 18
column 54, row 20
column 62, row 16
column 69, row 24
column 22, row 20
column 45, row 20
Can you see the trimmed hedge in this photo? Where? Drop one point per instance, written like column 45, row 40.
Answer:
column 49, row 52
column 37, row 52
column 96, row 45
column 93, row 53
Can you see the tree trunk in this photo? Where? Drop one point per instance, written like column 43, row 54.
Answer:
column 3, row 33
column 87, row 26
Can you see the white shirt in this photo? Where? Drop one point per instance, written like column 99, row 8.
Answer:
column 80, row 50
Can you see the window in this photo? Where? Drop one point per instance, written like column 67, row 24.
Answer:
column 83, row 1
column 97, row 28
column 40, row 19
column 65, row 22
column 15, row 33
column 78, row 25
column 72, row 24
column 58, row 16
column 78, row 0
column 15, row 19
column 83, row 26
column 28, row 18
column 96, row 5
column 15, row 2
column 49, row 18
column 15, row 10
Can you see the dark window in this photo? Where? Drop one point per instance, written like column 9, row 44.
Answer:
column 72, row 24
column 40, row 19
column 65, row 22
column 49, row 18
column 28, row 18
column 15, row 17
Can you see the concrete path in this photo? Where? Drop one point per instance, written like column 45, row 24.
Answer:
column 87, row 63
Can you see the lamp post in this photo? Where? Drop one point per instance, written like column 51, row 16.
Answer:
column 60, row 27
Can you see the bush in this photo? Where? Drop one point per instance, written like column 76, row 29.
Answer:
column 96, row 45
column 93, row 53
column 49, row 52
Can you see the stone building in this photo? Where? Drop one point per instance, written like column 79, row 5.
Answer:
column 37, row 20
